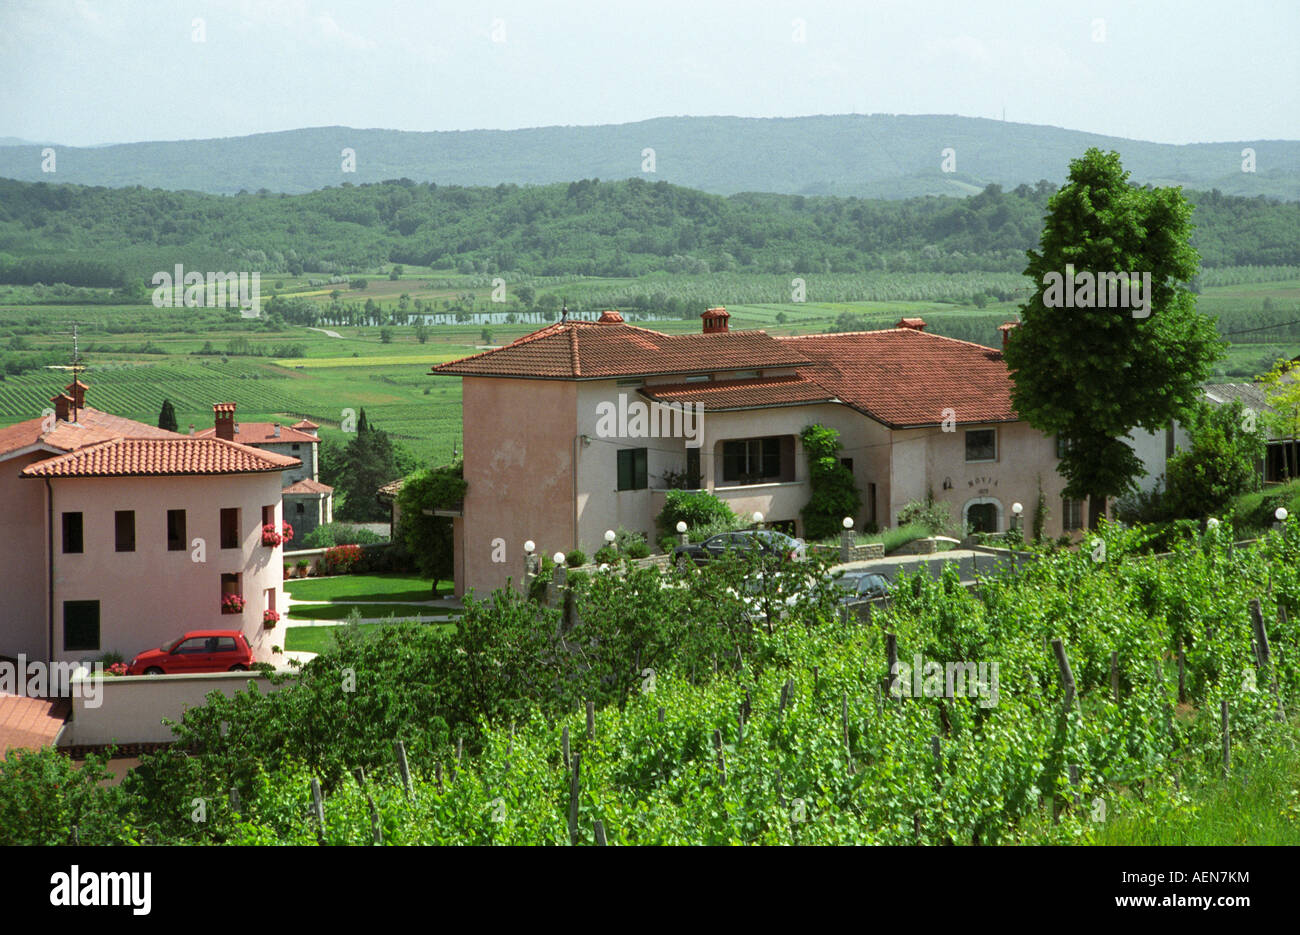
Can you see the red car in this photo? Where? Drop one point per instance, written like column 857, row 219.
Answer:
column 196, row 651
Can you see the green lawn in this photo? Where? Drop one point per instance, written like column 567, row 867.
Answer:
column 392, row 586
column 341, row 611
column 320, row 639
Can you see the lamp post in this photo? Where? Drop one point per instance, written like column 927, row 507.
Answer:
column 610, row 536
column 1280, row 514
column 1016, row 510
column 846, row 539
column 530, row 559
column 758, row 519
column 681, row 530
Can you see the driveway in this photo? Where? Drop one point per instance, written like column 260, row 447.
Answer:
column 970, row 564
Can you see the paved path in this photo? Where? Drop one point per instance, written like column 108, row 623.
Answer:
column 325, row 331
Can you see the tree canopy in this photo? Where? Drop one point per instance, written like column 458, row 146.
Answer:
column 1091, row 372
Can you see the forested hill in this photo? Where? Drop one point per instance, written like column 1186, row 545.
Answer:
column 877, row 156
column 106, row 237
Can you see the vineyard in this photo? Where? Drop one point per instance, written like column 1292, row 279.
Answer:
column 667, row 715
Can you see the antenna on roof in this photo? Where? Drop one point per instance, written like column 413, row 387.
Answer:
column 78, row 366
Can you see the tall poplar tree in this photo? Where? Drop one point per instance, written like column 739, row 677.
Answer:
column 1090, row 369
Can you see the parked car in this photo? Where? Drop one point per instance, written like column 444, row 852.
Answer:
column 769, row 541
column 857, row 586
column 196, row 651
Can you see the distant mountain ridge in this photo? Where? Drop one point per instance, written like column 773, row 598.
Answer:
column 877, row 156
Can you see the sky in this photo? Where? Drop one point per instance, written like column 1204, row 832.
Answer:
column 81, row 72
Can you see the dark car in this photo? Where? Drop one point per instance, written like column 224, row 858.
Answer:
column 768, row 541
column 196, row 651
column 860, row 586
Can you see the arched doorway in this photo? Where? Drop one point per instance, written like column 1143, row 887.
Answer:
column 982, row 515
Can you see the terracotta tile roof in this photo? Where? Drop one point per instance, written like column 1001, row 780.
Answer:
column 904, row 377
column 305, row 424
column 135, row 457
column 761, row 393
column 263, row 433
column 223, row 407
column 578, row 350
column 30, row 723
column 92, row 426
column 307, row 485
column 391, row 489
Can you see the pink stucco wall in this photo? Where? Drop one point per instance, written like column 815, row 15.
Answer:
column 24, row 626
column 519, row 449
column 152, row 595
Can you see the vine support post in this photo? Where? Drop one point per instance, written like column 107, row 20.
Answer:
column 591, row 720
column 1227, row 736
column 575, row 777
column 318, row 810
column 1114, row 676
column 399, row 750
column 1067, row 677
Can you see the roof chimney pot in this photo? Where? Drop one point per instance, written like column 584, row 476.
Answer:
column 716, row 320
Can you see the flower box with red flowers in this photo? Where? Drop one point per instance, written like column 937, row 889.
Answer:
column 270, row 618
column 270, row 537
column 232, row 604
column 286, row 532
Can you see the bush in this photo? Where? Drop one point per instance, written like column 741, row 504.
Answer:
column 605, row 555
column 575, row 558
column 1222, row 463
column 638, row 549
column 834, row 494
column 934, row 515
column 340, row 559
column 331, row 534
column 695, row 508
column 428, row 539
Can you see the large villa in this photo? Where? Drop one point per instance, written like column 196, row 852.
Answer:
column 916, row 413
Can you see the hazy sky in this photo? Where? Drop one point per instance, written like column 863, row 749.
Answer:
column 82, row 72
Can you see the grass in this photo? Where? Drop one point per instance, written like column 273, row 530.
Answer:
column 340, row 611
column 321, row 639
column 390, row 586
column 1255, row 510
column 1259, row 803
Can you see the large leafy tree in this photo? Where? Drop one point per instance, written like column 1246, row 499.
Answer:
column 1093, row 374
column 1222, row 463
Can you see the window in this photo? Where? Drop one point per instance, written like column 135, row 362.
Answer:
column 175, row 530
column 194, row 646
column 1169, row 442
column 268, row 515
column 80, row 625
column 692, row 469
column 871, row 504
column 230, row 528
column 848, row 463
column 72, row 533
column 981, row 444
column 698, row 378
column 296, row 446
column 632, row 474
column 752, row 461
column 124, row 530
column 1072, row 513
column 1062, row 446
column 226, row 644
column 298, row 508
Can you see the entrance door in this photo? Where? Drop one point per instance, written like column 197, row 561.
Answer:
column 982, row 517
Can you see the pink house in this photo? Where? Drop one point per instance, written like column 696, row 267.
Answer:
column 557, row 450
column 117, row 536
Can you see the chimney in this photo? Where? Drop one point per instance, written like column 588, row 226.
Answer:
column 223, row 416
column 715, row 320
column 191, row 428
column 62, row 404
column 915, row 324
column 1006, row 328
column 277, row 430
column 609, row 318
column 77, row 390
